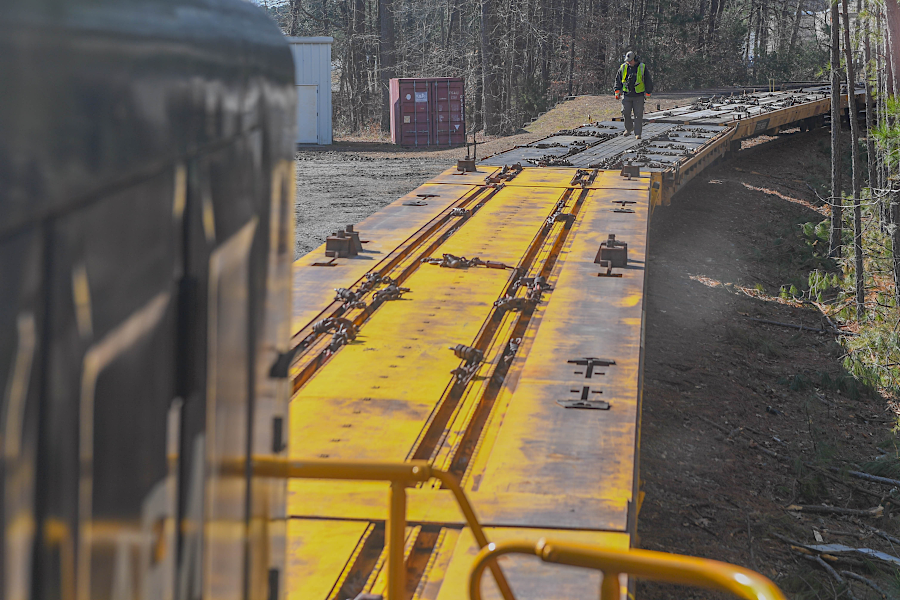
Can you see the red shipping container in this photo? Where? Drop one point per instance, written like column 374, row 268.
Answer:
column 428, row 111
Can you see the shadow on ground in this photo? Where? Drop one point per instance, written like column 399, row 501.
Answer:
column 741, row 418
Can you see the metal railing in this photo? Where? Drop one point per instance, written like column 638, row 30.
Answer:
column 400, row 476
column 659, row 566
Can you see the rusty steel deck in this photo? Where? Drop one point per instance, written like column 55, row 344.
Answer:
column 549, row 329
column 678, row 142
column 471, row 324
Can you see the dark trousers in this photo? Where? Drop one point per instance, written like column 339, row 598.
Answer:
column 636, row 104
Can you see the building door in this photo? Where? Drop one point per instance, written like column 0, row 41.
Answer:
column 307, row 114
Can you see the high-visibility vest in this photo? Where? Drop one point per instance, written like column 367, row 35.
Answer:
column 639, row 80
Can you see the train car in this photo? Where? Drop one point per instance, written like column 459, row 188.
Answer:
column 146, row 219
column 487, row 330
column 153, row 327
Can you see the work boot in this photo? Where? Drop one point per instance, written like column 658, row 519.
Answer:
column 627, row 133
column 637, row 136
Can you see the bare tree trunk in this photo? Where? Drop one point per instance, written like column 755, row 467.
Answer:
column 892, row 74
column 294, row 24
column 387, row 54
column 857, row 176
column 357, row 62
column 836, row 198
column 631, row 26
column 875, row 66
column 749, row 30
column 888, row 63
column 602, row 83
column 763, row 28
column 478, row 120
column 758, row 49
column 714, row 7
column 700, row 30
column 452, row 19
column 881, row 82
column 881, row 66
column 488, row 66
column 574, row 18
column 782, row 39
column 870, row 110
column 892, row 16
column 795, row 32
column 642, row 14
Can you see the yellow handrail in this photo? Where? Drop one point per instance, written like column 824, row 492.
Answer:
column 661, row 566
column 400, row 476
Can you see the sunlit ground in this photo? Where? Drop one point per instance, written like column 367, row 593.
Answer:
column 752, row 292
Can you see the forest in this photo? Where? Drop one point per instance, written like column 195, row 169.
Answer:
column 518, row 57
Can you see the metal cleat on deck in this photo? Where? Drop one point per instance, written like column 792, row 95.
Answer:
column 614, row 251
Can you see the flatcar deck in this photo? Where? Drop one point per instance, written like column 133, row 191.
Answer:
column 391, row 394
column 473, row 325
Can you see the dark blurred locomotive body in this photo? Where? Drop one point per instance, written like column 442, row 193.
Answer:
column 146, row 218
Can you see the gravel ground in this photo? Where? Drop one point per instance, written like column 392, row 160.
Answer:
column 335, row 189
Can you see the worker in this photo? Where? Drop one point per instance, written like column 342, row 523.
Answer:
column 633, row 85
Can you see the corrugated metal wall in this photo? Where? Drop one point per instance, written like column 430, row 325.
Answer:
column 312, row 66
column 428, row 111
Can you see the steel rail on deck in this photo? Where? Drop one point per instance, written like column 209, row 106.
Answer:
column 400, row 475
column 659, row 566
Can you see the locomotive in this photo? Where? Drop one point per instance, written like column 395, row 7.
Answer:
column 146, row 240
